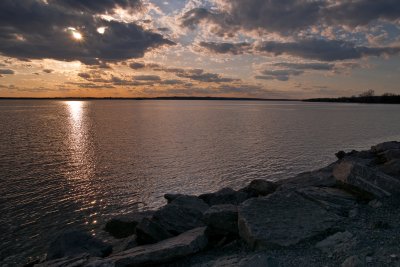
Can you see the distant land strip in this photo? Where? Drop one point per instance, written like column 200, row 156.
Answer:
column 383, row 99
column 147, row 98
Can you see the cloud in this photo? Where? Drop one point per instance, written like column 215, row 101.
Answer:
column 32, row 29
column 147, row 78
column 98, row 6
column 137, row 65
column 280, row 75
column 324, row 50
column 288, row 16
column 6, row 71
column 200, row 75
column 226, row 48
column 48, row 70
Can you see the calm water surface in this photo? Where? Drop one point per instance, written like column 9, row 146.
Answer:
column 67, row 164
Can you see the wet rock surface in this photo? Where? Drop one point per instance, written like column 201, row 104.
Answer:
column 346, row 214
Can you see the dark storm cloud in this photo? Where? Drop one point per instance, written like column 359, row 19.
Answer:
column 361, row 12
column 200, row 75
column 325, row 50
column 280, row 75
column 225, row 48
column 137, row 65
column 97, row 6
column 6, row 71
column 147, row 78
column 32, row 29
column 288, row 16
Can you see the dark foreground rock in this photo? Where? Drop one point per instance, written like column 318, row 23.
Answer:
column 282, row 220
column 346, row 214
column 74, row 243
column 124, row 226
column 185, row 244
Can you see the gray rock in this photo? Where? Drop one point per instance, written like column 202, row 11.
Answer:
column 353, row 261
column 385, row 146
column 71, row 261
column 282, row 219
column 172, row 197
column 183, row 245
column 149, row 231
column 75, row 243
column 124, row 226
column 125, row 244
column 224, row 196
column 260, row 260
column 181, row 215
column 222, row 219
column 318, row 178
column 259, row 187
column 389, row 155
column 339, row 242
column 391, row 168
column 332, row 199
column 366, row 179
column 375, row 203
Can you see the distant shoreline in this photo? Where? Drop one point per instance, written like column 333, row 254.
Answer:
column 383, row 99
column 147, row 98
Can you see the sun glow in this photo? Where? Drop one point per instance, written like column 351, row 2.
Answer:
column 77, row 35
column 101, row 30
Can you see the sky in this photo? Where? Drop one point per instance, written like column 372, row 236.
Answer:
column 233, row 48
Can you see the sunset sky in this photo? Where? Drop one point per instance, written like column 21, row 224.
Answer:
column 235, row 48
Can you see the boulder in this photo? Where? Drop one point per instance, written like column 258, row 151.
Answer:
column 391, row 168
column 73, row 243
column 172, row 197
column 353, row 261
column 124, row 226
column 259, row 187
column 388, row 155
column 70, row 261
column 149, row 231
column 339, row 242
column 319, row 178
column 183, row 245
column 224, row 196
column 181, row 215
column 365, row 179
column 222, row 219
column 125, row 244
column 282, row 219
column 385, row 146
column 332, row 199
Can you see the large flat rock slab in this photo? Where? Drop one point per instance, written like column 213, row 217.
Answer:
column 170, row 249
column 366, row 179
column 282, row 219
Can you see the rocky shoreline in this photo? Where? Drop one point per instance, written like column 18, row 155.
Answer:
column 345, row 214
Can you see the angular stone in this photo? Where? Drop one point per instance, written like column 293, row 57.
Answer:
column 181, row 215
column 224, row 196
column 385, row 146
column 124, row 226
column 391, row 168
column 332, row 199
column 282, row 219
column 75, row 243
column 183, row 245
column 222, row 219
column 318, row 178
column 125, row 244
column 172, row 197
column 353, row 261
column 71, row 261
column 388, row 155
column 336, row 242
column 149, row 231
column 363, row 178
column 259, row 187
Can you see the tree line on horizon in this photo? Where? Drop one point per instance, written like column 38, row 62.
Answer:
column 368, row 97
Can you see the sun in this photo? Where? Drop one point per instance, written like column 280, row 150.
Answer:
column 77, row 35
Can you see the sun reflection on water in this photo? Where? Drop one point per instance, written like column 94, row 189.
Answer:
column 82, row 167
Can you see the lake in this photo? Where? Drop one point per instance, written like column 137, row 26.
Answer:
column 74, row 164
